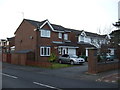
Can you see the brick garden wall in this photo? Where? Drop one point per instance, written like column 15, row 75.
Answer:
column 101, row 67
column 95, row 67
column 39, row 64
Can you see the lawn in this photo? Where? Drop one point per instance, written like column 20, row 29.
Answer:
column 54, row 66
column 57, row 65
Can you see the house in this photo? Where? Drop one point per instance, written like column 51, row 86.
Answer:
column 43, row 38
column 3, row 44
column 86, row 40
column 10, row 44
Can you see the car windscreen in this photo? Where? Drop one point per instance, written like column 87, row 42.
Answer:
column 73, row 56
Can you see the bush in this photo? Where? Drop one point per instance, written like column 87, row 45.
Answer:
column 52, row 57
column 99, row 58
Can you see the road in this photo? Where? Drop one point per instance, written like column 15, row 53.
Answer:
column 21, row 78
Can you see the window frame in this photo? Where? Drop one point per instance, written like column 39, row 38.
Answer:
column 45, row 51
column 60, row 35
column 45, row 33
column 65, row 36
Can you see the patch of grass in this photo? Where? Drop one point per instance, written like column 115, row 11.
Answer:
column 57, row 65
column 54, row 66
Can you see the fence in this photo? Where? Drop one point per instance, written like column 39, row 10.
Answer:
column 24, row 59
column 6, row 57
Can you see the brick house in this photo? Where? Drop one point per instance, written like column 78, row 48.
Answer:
column 43, row 38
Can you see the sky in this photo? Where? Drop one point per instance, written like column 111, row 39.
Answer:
column 94, row 16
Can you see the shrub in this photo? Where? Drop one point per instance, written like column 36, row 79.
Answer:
column 99, row 58
column 52, row 57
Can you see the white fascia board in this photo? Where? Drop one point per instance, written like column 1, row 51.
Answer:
column 68, row 47
column 83, row 32
column 58, row 31
column 51, row 27
column 48, row 24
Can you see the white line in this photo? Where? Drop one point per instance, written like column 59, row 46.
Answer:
column 9, row 75
column 46, row 85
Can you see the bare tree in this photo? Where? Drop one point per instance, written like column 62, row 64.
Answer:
column 107, row 29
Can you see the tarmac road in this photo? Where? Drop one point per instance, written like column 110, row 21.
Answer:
column 15, row 76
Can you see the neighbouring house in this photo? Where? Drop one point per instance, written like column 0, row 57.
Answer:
column 3, row 44
column 86, row 40
column 10, row 44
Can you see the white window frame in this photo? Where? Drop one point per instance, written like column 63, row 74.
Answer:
column 65, row 36
column 59, row 35
column 42, row 51
column 45, row 33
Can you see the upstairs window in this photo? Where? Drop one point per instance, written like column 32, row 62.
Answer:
column 59, row 35
column 65, row 36
column 45, row 33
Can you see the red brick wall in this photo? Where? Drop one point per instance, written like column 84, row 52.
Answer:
column 40, row 64
column 108, row 66
column 95, row 67
column 22, row 37
column 48, row 42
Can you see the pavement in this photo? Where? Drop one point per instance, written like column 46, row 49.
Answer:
column 75, row 72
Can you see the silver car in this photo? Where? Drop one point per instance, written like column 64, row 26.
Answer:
column 72, row 59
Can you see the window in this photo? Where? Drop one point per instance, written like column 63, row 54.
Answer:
column 44, row 51
column 82, row 38
column 65, row 36
column 45, row 33
column 59, row 35
column 60, row 50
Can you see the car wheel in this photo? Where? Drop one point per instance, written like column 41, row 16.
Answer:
column 60, row 61
column 71, row 62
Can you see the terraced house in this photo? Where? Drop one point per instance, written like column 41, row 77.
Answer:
column 43, row 39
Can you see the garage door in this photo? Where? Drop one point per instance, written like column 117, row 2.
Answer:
column 72, row 51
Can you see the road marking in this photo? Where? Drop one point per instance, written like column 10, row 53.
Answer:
column 46, row 85
column 9, row 75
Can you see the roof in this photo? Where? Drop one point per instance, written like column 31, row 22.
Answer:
column 66, row 44
column 86, row 44
column 38, row 24
column 23, row 51
column 9, row 39
column 61, row 28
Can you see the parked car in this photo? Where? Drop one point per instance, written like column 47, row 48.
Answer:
column 72, row 59
column 108, row 57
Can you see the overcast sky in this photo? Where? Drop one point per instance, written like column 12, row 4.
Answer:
column 90, row 15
